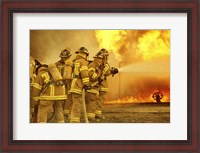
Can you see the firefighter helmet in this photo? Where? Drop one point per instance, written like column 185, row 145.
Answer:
column 65, row 52
column 82, row 50
column 104, row 51
column 99, row 55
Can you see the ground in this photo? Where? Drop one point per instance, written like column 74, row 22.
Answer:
column 135, row 113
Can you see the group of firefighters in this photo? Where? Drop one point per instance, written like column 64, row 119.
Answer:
column 67, row 87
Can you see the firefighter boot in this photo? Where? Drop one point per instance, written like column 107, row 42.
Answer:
column 99, row 117
column 91, row 117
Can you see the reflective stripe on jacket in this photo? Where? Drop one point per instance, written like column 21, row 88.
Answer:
column 42, row 89
column 106, row 72
column 80, row 73
column 94, row 73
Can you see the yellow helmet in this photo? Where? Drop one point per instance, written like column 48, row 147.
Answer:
column 82, row 50
column 65, row 52
column 104, row 51
column 99, row 55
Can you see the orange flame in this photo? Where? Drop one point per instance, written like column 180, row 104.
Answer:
column 140, row 99
column 137, row 44
column 153, row 44
column 140, row 46
column 109, row 39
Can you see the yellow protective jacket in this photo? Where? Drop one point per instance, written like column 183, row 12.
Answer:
column 60, row 65
column 80, row 75
column 32, row 79
column 65, row 69
column 32, row 68
column 105, row 73
column 44, row 88
column 94, row 73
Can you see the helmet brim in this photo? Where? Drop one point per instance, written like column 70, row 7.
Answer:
column 98, row 57
column 82, row 52
column 66, row 56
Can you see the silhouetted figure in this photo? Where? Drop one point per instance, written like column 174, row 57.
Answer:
column 157, row 96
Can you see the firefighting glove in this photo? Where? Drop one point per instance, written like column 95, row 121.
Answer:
column 114, row 71
column 87, row 87
column 59, row 83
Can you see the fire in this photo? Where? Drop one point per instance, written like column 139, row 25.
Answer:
column 140, row 99
column 134, row 45
column 154, row 44
column 135, row 49
column 109, row 39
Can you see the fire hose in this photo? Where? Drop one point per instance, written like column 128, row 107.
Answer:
column 84, row 107
column 83, row 102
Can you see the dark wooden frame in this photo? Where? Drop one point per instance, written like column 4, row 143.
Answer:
column 191, row 7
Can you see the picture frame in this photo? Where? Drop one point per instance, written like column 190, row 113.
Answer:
column 190, row 7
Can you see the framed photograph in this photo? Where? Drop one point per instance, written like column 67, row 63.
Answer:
column 80, row 76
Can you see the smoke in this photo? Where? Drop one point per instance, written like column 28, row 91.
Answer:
column 132, row 46
column 142, row 56
column 46, row 45
column 144, row 62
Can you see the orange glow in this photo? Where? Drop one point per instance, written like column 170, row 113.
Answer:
column 138, row 44
column 109, row 39
column 144, row 54
column 140, row 98
column 154, row 44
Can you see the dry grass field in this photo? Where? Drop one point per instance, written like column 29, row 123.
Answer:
column 134, row 113
column 137, row 113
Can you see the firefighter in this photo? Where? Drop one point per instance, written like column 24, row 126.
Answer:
column 80, row 80
column 32, row 77
column 65, row 67
column 107, row 71
column 48, row 90
column 33, row 66
column 92, row 97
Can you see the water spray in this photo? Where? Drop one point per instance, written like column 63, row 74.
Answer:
column 147, row 68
